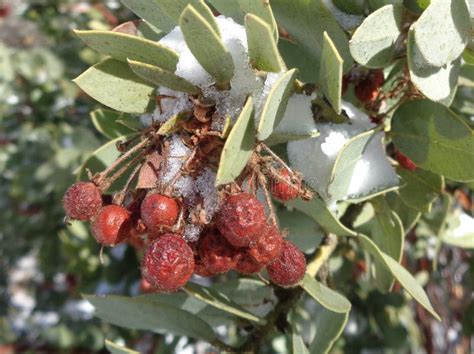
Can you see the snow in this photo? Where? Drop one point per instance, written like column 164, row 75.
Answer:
column 175, row 159
column 315, row 157
column 192, row 232
column 205, row 185
column 228, row 103
column 298, row 117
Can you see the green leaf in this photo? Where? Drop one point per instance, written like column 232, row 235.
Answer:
column 171, row 125
column 345, row 163
column 296, row 56
column 275, row 105
column 105, row 121
column 331, row 73
column 416, row 6
column 468, row 56
column 437, row 84
column 281, row 137
column 435, row 138
column 138, row 313
column 263, row 51
column 238, row 147
column 328, row 298
column 303, row 231
column 121, row 46
column 298, row 17
column 329, row 327
column 229, row 9
column 401, row 274
column 298, row 346
column 114, row 84
column 407, row 215
column 421, row 188
column 150, row 12
column 263, row 10
column 373, row 43
column 118, row 349
column 206, row 45
column 354, row 7
column 162, row 77
column 388, row 234
column 219, row 300
column 443, row 31
column 317, row 209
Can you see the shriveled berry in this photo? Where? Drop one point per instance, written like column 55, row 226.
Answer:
column 405, row 161
column 111, row 225
column 168, row 263
column 247, row 265
column 241, row 219
column 285, row 190
column 82, row 201
column 158, row 210
column 367, row 90
column 268, row 247
column 289, row 268
column 217, row 255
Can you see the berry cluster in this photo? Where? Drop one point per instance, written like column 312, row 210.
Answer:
column 186, row 226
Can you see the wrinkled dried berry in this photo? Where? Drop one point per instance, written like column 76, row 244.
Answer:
column 405, row 161
column 367, row 90
column 168, row 263
column 217, row 255
column 112, row 225
column 268, row 247
column 82, row 201
column 247, row 265
column 158, row 210
column 289, row 268
column 284, row 190
column 241, row 219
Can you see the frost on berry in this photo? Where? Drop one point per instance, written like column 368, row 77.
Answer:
column 241, row 219
column 405, row 161
column 82, row 201
column 158, row 210
column 111, row 225
column 246, row 264
column 268, row 247
column 284, row 189
column 217, row 255
column 290, row 266
column 168, row 263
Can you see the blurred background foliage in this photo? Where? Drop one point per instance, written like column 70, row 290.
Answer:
column 46, row 134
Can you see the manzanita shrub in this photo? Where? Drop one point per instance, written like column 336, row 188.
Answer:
column 224, row 115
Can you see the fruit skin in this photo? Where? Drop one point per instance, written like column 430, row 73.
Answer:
column 241, row 219
column 405, row 161
column 111, row 225
column 284, row 191
column 216, row 254
column 268, row 247
column 290, row 266
column 82, row 201
column 247, row 265
column 168, row 263
column 158, row 210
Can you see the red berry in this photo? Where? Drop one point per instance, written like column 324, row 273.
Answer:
column 158, row 210
column 285, row 190
column 241, row 219
column 367, row 90
column 111, row 225
column 82, row 201
column 217, row 255
column 5, row 11
column 247, row 265
column 405, row 161
column 168, row 263
column 289, row 268
column 268, row 247
column 145, row 287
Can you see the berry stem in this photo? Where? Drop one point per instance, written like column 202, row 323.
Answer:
column 263, row 183
column 107, row 182
column 119, row 197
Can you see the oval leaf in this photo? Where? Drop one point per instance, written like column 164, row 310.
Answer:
column 161, row 77
column 437, row 84
column 138, row 313
column 330, row 73
column 238, row 147
column 329, row 327
column 149, row 11
column 275, row 105
column 263, row 51
column 206, row 45
column 114, row 84
column 443, row 31
column 298, row 346
column 121, row 46
column 401, row 274
column 435, row 138
column 328, row 298
column 106, row 122
column 373, row 43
